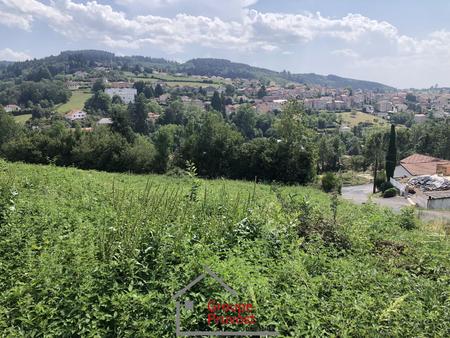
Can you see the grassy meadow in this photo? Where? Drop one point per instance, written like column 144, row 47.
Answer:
column 76, row 101
column 356, row 117
column 86, row 253
column 22, row 118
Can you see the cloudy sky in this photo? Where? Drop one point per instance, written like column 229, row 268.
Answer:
column 404, row 43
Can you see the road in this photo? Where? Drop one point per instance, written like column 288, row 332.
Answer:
column 360, row 194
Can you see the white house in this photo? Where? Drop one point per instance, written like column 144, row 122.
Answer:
column 11, row 108
column 126, row 94
column 383, row 106
column 420, row 118
column 76, row 115
column 104, row 121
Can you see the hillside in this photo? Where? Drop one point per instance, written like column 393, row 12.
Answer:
column 72, row 61
column 225, row 68
column 86, row 253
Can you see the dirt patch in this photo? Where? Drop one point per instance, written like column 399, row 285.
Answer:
column 389, row 248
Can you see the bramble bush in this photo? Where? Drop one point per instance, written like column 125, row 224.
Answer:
column 86, row 253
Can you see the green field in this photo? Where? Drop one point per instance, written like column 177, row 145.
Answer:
column 77, row 100
column 173, row 81
column 354, row 118
column 22, row 118
column 86, row 253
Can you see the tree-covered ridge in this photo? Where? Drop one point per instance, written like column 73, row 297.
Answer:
column 72, row 61
column 69, row 62
column 226, row 68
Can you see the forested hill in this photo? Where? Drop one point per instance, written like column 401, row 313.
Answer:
column 72, row 61
column 225, row 68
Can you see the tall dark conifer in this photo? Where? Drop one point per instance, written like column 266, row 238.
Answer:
column 391, row 155
column 216, row 102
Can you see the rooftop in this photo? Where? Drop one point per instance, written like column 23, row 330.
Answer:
column 418, row 164
column 437, row 194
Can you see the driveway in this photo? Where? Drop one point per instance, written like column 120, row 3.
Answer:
column 360, row 194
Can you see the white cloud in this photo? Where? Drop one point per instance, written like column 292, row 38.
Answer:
column 253, row 31
column 226, row 10
column 8, row 54
column 36, row 8
column 13, row 20
column 176, row 25
column 176, row 4
column 345, row 52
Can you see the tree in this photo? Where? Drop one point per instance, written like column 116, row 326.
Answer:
column 121, row 123
column 216, row 102
column 374, row 153
column 98, row 86
column 163, row 140
column 262, row 92
column 100, row 103
column 391, row 155
column 229, row 90
column 173, row 114
column 245, row 121
column 139, row 86
column 8, row 127
column 149, row 92
column 159, row 90
column 139, row 115
column 116, row 99
column 212, row 145
column 140, row 156
column 39, row 74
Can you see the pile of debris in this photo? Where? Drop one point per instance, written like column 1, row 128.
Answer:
column 430, row 183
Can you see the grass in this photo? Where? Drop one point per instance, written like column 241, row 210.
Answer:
column 77, row 100
column 22, row 118
column 86, row 253
column 173, row 81
column 354, row 118
column 350, row 178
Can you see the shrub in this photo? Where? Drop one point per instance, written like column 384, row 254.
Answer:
column 385, row 186
column 407, row 219
column 391, row 192
column 329, row 182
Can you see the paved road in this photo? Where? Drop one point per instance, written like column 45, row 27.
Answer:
column 360, row 194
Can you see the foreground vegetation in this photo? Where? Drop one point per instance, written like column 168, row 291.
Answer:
column 85, row 253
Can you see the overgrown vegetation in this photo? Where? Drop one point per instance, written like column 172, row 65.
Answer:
column 84, row 253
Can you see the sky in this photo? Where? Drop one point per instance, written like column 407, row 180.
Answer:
column 402, row 43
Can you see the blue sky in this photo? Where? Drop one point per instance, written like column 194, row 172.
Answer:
column 400, row 43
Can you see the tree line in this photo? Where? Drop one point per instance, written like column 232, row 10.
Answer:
column 286, row 146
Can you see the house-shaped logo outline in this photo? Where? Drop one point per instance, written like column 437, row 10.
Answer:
column 181, row 292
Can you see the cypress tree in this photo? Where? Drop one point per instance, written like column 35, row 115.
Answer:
column 216, row 102
column 391, row 155
column 158, row 90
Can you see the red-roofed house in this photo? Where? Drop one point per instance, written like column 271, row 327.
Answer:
column 11, row 108
column 418, row 164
